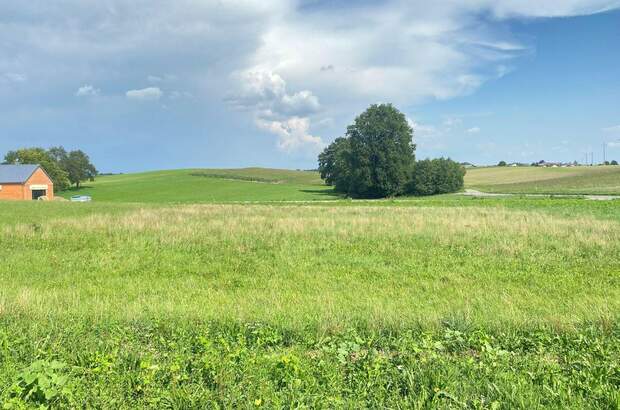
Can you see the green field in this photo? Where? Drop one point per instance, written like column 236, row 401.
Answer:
column 603, row 180
column 167, row 292
column 208, row 185
column 259, row 184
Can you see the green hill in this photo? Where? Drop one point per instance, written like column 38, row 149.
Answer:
column 263, row 184
column 208, row 185
column 604, row 180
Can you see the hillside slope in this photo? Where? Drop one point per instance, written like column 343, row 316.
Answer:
column 207, row 185
column 534, row 180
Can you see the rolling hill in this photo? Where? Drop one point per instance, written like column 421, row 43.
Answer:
column 604, row 180
column 208, row 185
column 263, row 184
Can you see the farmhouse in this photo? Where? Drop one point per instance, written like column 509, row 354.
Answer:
column 25, row 182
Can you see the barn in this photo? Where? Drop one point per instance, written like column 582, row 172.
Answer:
column 25, row 182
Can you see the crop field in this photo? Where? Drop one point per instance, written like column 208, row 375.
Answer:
column 604, row 180
column 442, row 302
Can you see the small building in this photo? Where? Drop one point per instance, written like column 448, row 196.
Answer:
column 25, row 182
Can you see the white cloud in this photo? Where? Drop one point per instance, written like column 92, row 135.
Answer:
column 154, row 79
column 303, row 101
column 473, row 130
column 87, row 91
column 286, row 115
column 145, row 94
column 293, row 134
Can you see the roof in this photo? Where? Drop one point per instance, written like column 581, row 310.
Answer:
column 16, row 174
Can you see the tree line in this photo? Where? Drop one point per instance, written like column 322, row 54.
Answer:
column 65, row 168
column 376, row 159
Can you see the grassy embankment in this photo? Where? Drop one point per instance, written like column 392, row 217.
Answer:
column 452, row 302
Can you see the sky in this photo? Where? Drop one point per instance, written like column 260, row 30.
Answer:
column 158, row 84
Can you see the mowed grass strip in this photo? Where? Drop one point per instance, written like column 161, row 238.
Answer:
column 604, row 180
column 328, row 267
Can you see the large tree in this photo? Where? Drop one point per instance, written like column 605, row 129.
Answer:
column 43, row 158
column 78, row 167
column 376, row 157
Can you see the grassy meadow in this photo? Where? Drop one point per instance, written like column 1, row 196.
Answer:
column 208, row 185
column 446, row 302
column 191, row 186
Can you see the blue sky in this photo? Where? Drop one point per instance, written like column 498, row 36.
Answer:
column 152, row 84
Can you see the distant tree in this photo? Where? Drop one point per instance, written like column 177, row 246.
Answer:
column 376, row 157
column 78, row 167
column 614, row 162
column 436, row 176
column 43, row 158
column 606, row 163
column 501, row 164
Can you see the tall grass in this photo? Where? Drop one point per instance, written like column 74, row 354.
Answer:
column 333, row 266
column 439, row 303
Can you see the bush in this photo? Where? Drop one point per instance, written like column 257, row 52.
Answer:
column 502, row 164
column 436, row 176
column 614, row 162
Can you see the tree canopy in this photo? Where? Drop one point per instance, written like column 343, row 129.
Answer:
column 436, row 176
column 376, row 159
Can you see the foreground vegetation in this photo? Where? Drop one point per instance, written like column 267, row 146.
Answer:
column 604, row 180
column 426, row 303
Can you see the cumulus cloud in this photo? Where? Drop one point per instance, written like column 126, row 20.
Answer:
column 473, row 130
column 293, row 134
column 277, row 111
column 87, row 91
column 145, row 94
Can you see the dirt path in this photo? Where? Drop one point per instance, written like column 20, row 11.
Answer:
column 478, row 194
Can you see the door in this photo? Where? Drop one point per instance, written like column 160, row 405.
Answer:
column 38, row 193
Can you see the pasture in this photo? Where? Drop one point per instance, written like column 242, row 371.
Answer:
column 440, row 302
column 208, row 185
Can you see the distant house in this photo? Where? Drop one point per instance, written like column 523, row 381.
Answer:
column 25, row 182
